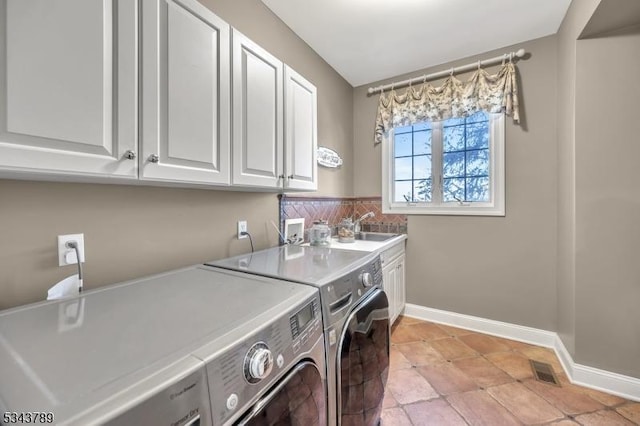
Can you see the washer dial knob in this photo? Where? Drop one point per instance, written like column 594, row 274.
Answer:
column 366, row 279
column 258, row 363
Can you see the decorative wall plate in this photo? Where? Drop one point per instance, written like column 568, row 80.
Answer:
column 328, row 157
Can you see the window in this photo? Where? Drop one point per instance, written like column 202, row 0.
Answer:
column 451, row 167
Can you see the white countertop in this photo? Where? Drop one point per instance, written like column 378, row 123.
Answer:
column 370, row 246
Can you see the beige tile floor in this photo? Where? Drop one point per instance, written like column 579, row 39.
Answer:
column 441, row 375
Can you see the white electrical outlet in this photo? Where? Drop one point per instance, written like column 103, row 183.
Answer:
column 66, row 255
column 242, row 227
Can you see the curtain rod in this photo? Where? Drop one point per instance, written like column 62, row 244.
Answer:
column 492, row 61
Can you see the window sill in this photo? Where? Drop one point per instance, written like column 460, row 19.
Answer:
column 444, row 210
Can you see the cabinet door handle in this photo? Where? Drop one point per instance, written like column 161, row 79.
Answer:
column 290, row 177
column 153, row 158
column 130, row 155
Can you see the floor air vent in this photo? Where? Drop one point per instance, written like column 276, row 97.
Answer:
column 544, row 372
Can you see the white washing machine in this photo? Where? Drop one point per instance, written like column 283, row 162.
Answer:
column 188, row 347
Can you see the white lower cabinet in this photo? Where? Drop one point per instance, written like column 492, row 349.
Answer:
column 400, row 287
column 393, row 279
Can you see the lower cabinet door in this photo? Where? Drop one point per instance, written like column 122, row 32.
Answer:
column 389, row 286
column 400, row 295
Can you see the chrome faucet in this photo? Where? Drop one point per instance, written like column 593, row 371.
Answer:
column 356, row 226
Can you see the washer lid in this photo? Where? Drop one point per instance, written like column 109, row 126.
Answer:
column 304, row 264
column 54, row 354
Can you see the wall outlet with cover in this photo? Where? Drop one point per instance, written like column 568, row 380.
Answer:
column 66, row 254
column 242, row 228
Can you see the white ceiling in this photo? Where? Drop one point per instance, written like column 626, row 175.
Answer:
column 370, row 40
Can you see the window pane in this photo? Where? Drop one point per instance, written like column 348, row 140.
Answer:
column 399, row 130
column 453, row 122
column 421, row 167
column 403, row 168
column 478, row 135
column 478, row 116
column 402, row 145
column 478, row 189
column 422, row 142
column 478, row 162
column 453, row 138
column 422, row 126
column 422, row 190
column 452, row 189
column 402, row 192
column 453, row 164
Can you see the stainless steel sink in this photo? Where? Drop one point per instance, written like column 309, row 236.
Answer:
column 374, row 236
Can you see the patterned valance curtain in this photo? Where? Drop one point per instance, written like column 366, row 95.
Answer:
column 455, row 98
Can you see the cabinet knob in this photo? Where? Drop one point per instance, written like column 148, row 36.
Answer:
column 130, row 155
column 153, row 158
column 290, row 177
column 281, row 177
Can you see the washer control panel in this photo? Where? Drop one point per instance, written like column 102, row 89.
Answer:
column 245, row 369
column 258, row 362
column 304, row 323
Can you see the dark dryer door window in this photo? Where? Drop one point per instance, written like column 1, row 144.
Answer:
column 363, row 362
column 299, row 400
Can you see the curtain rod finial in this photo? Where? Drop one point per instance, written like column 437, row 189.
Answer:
column 520, row 53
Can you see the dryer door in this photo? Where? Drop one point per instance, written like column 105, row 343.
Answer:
column 299, row 400
column 363, row 362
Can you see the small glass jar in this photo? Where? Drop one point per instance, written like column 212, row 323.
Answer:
column 320, row 233
column 346, row 233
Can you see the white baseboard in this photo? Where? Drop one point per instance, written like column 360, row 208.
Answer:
column 617, row 384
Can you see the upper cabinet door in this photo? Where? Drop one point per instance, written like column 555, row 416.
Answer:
column 301, row 133
column 185, row 93
column 68, row 86
column 257, row 115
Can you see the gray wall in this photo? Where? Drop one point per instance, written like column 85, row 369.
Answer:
column 607, row 293
column 598, row 234
column 577, row 17
column 503, row 268
column 131, row 231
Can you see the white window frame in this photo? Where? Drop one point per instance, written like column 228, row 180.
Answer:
column 495, row 206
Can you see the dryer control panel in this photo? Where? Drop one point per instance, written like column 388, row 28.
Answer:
column 339, row 295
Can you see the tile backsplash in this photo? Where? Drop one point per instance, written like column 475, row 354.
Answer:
column 333, row 210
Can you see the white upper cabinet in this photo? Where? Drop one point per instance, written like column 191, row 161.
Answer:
column 257, row 115
column 301, row 136
column 185, row 93
column 68, row 87
column 142, row 90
